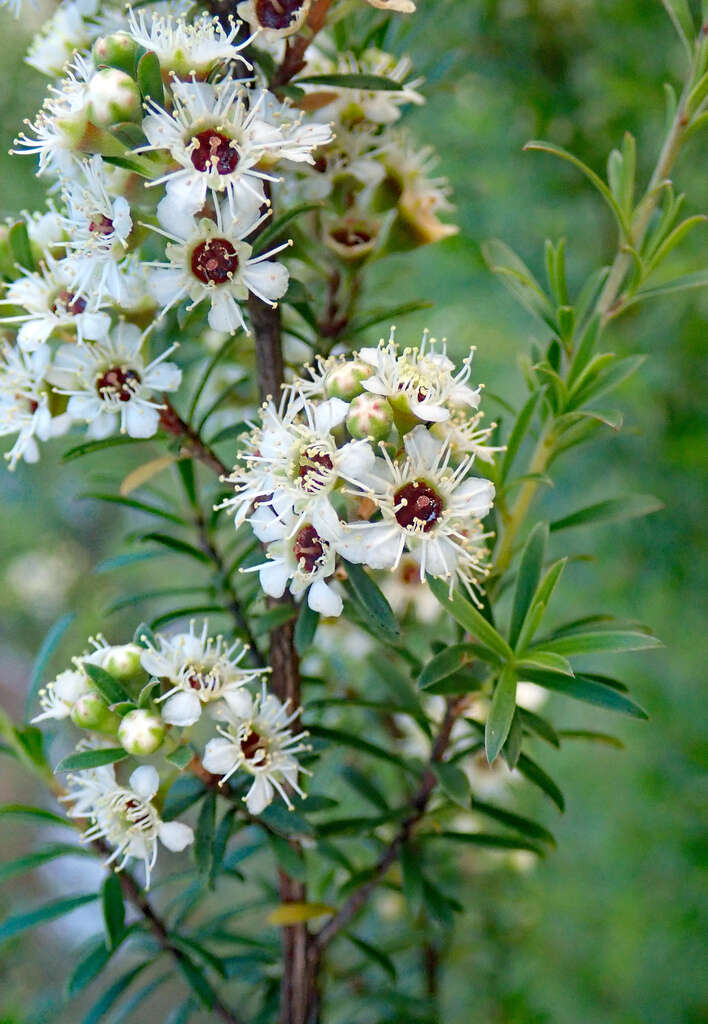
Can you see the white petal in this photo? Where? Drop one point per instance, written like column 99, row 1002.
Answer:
column 259, row 795
column 163, row 377
column 145, row 781
column 476, row 494
column 421, row 444
column 330, row 414
column 165, row 283
column 268, row 279
column 322, row 598
column 267, row 526
column 175, row 835
column 240, row 702
column 274, row 577
column 141, row 420
column 225, row 314
column 182, row 709
column 219, row 756
column 34, row 333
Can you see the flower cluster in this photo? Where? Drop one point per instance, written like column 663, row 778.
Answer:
column 368, row 459
column 141, row 700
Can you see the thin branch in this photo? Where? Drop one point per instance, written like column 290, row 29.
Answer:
column 192, row 445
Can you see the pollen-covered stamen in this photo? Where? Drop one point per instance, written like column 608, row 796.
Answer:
column 120, row 382
column 253, row 744
column 101, row 225
column 214, row 261
column 309, row 548
column 214, row 152
column 417, row 506
column 278, row 14
column 68, row 302
column 314, row 469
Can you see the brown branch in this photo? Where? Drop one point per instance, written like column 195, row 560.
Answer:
column 191, row 444
column 296, row 48
column 419, row 804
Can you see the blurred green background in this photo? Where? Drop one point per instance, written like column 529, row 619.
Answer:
column 608, row 929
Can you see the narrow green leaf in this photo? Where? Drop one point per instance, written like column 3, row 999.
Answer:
column 369, row 83
column 538, row 725
column 288, row 857
column 374, row 953
column 584, row 351
column 180, row 547
column 698, row 279
column 113, row 994
column 453, row 782
column 305, row 628
column 204, row 835
column 607, row 379
column 601, row 640
column 501, row 713
column 139, row 506
column 464, row 612
column 22, row 922
column 517, row 277
column 194, row 977
column 274, row 230
column 593, row 735
column 682, row 20
column 182, row 794
column 89, row 447
column 534, row 773
column 221, row 840
column 149, row 78
column 528, row 578
column 38, row 813
column 485, row 839
column 511, row 751
column 516, row 821
column 372, row 601
column 18, row 237
column 273, row 618
column 113, row 910
column 451, row 659
column 363, row 785
column 49, row 645
column 104, row 682
column 409, row 858
column 12, row 868
column 181, row 757
column 519, row 432
column 586, row 689
column 612, row 510
column 90, row 759
column 348, row 739
column 126, row 1014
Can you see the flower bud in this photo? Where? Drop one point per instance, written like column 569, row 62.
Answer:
column 113, row 97
column 141, row 732
column 123, row 661
column 118, row 50
column 370, row 416
column 352, row 239
column 91, row 711
column 344, row 380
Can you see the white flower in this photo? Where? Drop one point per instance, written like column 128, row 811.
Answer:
column 110, row 384
column 199, row 669
column 219, row 135
column 352, row 105
column 61, row 36
column 124, row 816
column 427, row 508
column 300, row 555
column 466, row 436
column 294, row 459
column 422, row 196
column 420, row 378
column 58, row 697
column 211, row 260
column 98, row 226
column 52, row 307
column 187, row 49
column 256, row 738
column 24, row 402
column 274, row 19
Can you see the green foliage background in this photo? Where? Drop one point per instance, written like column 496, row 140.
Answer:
column 608, row 928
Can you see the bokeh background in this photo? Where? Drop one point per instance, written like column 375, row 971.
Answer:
column 608, row 928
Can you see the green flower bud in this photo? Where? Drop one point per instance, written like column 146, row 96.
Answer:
column 370, row 416
column 123, row 661
column 118, row 50
column 141, row 732
column 91, row 711
column 113, row 97
column 344, row 380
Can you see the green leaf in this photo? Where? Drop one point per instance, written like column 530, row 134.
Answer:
column 126, row 1014
column 12, row 868
column 464, row 612
column 612, row 510
column 519, row 280
column 90, row 759
column 453, row 782
column 18, row 237
column 373, row 953
column 104, row 682
column 89, row 447
column 276, row 227
column 501, row 713
column 113, row 994
column 585, row 689
column 519, row 432
column 38, row 813
column 595, row 179
column 370, row 83
column 182, row 794
column 543, row 595
column 180, row 757
column 113, row 910
column 485, row 839
column 22, row 922
column 189, row 612
column 528, row 578
column 180, row 547
column 88, row 968
column 273, row 618
column 363, row 785
column 452, row 659
column 534, row 773
column 372, row 601
column 139, row 506
column 49, row 645
column 289, row 859
column 512, row 745
column 409, row 858
column 592, row 385
column 194, row 977
column 204, row 835
column 516, row 821
column 149, row 78
column 538, row 725
column 305, row 628
column 601, row 640
column 593, row 735
column 682, row 20
column 348, row 739
column 228, row 433
column 699, row 279
column 221, row 839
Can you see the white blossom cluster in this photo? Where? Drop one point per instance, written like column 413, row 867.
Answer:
column 369, row 458
column 169, row 682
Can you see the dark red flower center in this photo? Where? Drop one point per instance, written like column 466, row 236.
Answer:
column 68, row 302
column 252, row 744
column 418, row 506
column 308, row 548
column 119, row 382
column 277, row 13
column 351, row 236
column 214, row 261
column 214, row 152
column 314, row 468
column 101, row 225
